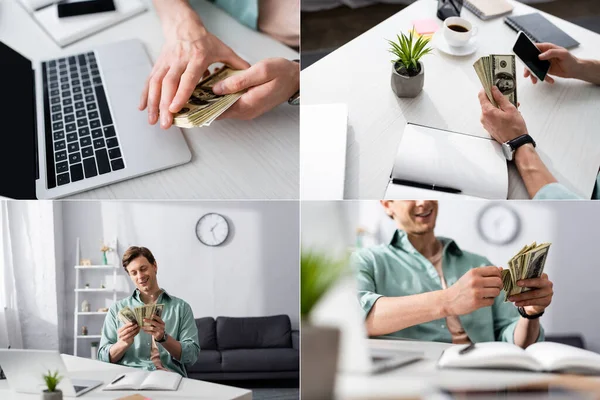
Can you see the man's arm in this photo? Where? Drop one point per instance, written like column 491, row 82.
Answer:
column 115, row 342
column 188, row 338
column 532, row 169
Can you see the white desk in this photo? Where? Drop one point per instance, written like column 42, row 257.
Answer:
column 84, row 368
column 231, row 159
column 420, row 378
column 562, row 118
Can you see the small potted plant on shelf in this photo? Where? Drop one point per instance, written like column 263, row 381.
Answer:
column 52, row 380
column 105, row 249
column 408, row 72
column 319, row 350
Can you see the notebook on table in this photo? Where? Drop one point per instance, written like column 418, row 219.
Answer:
column 433, row 163
column 540, row 30
column 144, row 380
column 541, row 357
column 486, row 9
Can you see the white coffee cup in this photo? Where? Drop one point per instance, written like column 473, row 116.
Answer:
column 455, row 38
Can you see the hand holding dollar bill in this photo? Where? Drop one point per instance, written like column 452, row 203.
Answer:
column 137, row 315
column 526, row 264
column 498, row 70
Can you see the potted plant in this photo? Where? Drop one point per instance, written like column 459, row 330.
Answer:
column 52, row 380
column 408, row 72
column 319, row 347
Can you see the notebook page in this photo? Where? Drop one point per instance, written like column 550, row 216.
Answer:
column 558, row 356
column 488, row 355
column 161, row 380
column 131, row 381
column 430, row 156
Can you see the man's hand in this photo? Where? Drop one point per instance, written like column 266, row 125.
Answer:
column 504, row 123
column 538, row 298
column 188, row 51
column 154, row 327
column 127, row 333
column 476, row 289
column 269, row 82
column 562, row 63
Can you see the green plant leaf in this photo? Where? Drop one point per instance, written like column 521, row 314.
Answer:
column 409, row 49
column 318, row 272
column 52, row 380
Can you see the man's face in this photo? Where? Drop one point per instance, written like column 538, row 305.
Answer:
column 142, row 274
column 416, row 217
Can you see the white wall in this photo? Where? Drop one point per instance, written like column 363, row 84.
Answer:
column 254, row 273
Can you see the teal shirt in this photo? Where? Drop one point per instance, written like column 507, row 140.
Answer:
column 397, row 269
column 556, row 191
column 245, row 11
column 179, row 324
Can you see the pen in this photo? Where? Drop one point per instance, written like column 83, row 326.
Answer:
column 118, row 379
column 425, row 186
column 467, row 349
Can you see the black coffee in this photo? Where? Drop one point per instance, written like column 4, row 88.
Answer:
column 458, row 28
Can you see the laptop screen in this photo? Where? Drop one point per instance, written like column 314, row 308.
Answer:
column 18, row 158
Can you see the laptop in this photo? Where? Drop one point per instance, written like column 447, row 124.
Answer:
column 71, row 124
column 339, row 307
column 24, row 370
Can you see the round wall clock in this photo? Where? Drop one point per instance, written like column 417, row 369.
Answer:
column 498, row 224
column 212, row 229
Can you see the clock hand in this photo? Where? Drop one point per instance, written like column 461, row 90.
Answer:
column 213, row 235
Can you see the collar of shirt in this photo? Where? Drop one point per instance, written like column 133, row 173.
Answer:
column 136, row 295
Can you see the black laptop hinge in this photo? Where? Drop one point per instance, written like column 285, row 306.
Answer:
column 34, row 130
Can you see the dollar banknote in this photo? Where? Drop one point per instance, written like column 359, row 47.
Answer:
column 528, row 263
column 126, row 315
column 498, row 70
column 138, row 314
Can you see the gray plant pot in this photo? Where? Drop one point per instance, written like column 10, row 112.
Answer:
column 405, row 86
column 318, row 358
column 56, row 395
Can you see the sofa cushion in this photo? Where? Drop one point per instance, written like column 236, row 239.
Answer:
column 207, row 333
column 244, row 360
column 208, row 361
column 254, row 332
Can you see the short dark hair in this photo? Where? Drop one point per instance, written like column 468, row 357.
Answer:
column 134, row 252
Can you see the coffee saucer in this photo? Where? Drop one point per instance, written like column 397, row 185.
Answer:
column 440, row 43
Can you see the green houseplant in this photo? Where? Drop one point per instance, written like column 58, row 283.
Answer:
column 408, row 72
column 52, row 380
column 319, row 349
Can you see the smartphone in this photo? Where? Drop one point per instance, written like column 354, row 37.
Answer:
column 529, row 54
column 72, row 8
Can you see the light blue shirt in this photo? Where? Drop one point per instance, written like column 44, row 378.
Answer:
column 556, row 191
column 245, row 11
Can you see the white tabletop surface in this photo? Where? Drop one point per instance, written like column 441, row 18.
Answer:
column 230, row 159
column 84, row 368
column 563, row 118
column 422, row 377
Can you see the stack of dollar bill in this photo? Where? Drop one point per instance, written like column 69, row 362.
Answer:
column 498, row 70
column 203, row 106
column 526, row 264
column 138, row 314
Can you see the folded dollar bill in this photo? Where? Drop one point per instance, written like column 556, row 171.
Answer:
column 498, row 70
column 528, row 263
column 138, row 314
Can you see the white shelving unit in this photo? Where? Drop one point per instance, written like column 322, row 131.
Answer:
column 78, row 290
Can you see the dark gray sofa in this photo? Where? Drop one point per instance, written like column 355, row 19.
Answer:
column 246, row 349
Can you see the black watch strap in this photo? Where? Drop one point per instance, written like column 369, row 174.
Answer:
column 520, row 141
column 164, row 338
column 527, row 316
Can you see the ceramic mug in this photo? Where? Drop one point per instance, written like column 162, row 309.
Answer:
column 461, row 32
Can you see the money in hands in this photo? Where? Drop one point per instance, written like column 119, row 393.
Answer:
column 138, row 314
column 498, row 70
column 203, row 106
column 526, row 264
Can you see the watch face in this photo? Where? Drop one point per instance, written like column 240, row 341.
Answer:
column 212, row 229
column 508, row 151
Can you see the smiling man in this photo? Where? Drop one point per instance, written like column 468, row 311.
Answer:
column 166, row 343
column 424, row 287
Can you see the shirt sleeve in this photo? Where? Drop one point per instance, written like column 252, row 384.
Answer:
column 188, row 337
column 109, row 334
column 555, row 191
column 363, row 264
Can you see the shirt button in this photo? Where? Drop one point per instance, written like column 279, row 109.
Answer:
column 443, row 326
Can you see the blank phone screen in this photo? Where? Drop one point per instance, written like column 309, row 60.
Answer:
column 528, row 53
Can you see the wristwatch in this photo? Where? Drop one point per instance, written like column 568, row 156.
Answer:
column 525, row 315
column 164, row 338
column 295, row 99
column 509, row 148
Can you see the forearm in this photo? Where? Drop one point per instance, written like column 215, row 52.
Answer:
column 173, row 347
column 391, row 314
column 526, row 332
column 589, row 71
column 532, row 169
column 173, row 14
column 117, row 351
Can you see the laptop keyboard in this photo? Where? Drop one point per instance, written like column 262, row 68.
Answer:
column 79, row 388
column 81, row 140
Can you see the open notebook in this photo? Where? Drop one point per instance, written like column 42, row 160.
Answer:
column 433, row 163
column 144, row 380
column 542, row 356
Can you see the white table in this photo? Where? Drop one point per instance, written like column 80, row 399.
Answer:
column 563, row 118
column 84, row 368
column 422, row 377
column 230, row 159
